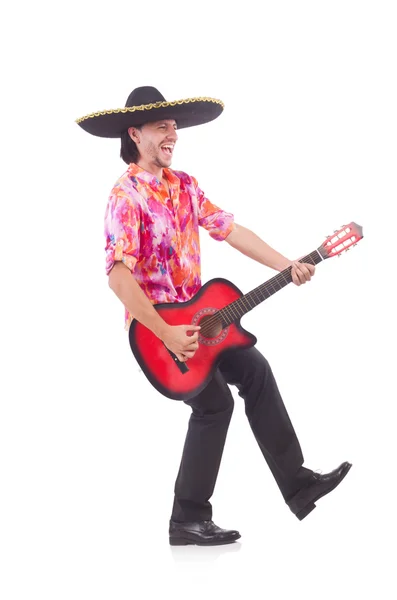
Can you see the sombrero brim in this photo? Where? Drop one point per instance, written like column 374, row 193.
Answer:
column 187, row 113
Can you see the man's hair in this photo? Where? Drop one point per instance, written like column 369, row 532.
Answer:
column 129, row 151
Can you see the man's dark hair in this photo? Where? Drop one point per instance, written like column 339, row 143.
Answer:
column 129, row 152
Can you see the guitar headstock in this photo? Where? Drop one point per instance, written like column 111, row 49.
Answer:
column 341, row 241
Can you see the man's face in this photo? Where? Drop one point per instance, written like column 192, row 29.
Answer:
column 155, row 142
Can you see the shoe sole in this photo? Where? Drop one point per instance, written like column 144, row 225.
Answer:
column 311, row 506
column 181, row 541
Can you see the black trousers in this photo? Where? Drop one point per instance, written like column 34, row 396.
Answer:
column 212, row 409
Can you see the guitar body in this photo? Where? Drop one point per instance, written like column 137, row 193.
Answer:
column 156, row 361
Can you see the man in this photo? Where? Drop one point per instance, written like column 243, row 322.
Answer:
column 153, row 256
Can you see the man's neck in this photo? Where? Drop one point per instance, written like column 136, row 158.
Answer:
column 151, row 168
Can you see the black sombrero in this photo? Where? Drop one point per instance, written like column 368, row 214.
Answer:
column 146, row 104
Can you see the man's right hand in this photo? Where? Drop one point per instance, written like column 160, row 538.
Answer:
column 180, row 340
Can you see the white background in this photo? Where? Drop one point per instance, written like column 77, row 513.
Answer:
column 89, row 451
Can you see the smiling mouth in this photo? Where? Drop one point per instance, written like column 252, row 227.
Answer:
column 168, row 150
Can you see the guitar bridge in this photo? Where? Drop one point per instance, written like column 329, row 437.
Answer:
column 181, row 365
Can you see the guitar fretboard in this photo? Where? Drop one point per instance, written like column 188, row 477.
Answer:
column 234, row 311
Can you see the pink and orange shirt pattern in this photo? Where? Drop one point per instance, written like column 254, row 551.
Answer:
column 156, row 234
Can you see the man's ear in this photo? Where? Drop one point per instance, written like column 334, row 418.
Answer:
column 134, row 134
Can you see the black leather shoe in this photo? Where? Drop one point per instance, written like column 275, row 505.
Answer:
column 302, row 503
column 201, row 533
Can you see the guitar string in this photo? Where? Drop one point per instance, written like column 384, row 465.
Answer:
column 254, row 294
column 214, row 319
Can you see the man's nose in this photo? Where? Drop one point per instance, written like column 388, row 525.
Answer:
column 172, row 136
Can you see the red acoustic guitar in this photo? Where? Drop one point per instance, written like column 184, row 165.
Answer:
column 217, row 308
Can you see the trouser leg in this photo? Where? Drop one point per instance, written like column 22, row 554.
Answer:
column 250, row 372
column 208, row 425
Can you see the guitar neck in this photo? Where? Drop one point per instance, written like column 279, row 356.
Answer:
column 237, row 309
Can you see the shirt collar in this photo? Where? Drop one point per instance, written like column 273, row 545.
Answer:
column 137, row 171
column 170, row 175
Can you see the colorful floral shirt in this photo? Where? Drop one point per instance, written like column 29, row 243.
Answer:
column 156, row 235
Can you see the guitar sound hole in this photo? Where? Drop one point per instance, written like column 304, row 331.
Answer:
column 211, row 326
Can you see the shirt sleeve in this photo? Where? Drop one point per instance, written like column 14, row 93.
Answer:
column 122, row 232
column 216, row 221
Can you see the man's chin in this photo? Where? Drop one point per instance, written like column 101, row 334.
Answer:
column 162, row 163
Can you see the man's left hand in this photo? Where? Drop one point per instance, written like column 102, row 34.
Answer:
column 301, row 272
